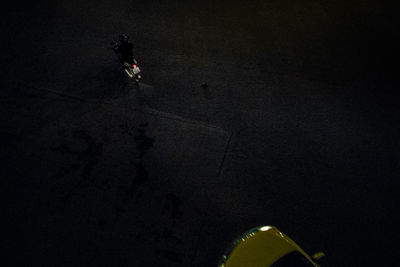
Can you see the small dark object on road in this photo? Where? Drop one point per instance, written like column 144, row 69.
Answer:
column 204, row 85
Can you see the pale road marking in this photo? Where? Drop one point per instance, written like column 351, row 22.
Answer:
column 154, row 112
column 145, row 109
column 166, row 115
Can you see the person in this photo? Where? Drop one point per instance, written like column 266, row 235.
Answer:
column 124, row 49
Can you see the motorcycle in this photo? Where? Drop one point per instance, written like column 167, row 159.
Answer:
column 133, row 71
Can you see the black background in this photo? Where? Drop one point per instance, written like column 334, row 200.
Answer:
column 298, row 128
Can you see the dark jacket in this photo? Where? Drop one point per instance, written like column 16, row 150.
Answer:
column 125, row 51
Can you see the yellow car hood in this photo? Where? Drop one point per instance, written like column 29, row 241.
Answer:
column 260, row 247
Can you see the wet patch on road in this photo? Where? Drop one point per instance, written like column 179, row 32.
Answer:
column 171, row 255
column 140, row 178
column 144, row 143
column 173, row 206
column 169, row 235
column 86, row 160
column 127, row 173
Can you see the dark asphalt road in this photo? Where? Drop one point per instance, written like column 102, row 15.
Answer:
column 298, row 128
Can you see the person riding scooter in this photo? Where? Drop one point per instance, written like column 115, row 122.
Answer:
column 124, row 51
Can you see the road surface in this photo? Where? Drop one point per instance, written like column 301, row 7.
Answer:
column 297, row 128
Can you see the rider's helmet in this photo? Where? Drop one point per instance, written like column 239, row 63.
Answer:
column 123, row 38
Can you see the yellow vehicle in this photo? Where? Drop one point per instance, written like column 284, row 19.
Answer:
column 267, row 246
